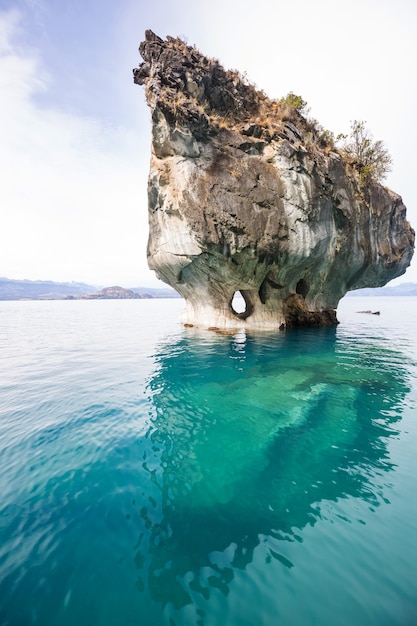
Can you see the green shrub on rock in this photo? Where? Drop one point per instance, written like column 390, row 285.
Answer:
column 371, row 158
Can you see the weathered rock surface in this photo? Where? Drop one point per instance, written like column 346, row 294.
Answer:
column 245, row 195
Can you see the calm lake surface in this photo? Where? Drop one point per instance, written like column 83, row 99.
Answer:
column 156, row 475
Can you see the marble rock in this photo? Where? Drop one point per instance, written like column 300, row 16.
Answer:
column 244, row 195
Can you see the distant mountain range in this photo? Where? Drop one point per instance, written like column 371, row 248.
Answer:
column 120, row 293
column 49, row 290
column 406, row 289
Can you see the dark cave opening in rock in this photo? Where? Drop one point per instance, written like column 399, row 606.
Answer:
column 302, row 287
column 240, row 306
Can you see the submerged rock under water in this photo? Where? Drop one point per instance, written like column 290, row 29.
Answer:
column 246, row 195
column 254, row 441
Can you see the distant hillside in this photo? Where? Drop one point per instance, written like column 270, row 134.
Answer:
column 406, row 289
column 48, row 290
column 165, row 292
column 40, row 289
column 108, row 293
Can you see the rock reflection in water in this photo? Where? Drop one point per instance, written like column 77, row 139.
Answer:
column 249, row 435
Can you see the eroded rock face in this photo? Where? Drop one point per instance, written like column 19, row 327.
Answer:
column 244, row 195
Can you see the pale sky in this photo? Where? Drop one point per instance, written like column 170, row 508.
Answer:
column 75, row 131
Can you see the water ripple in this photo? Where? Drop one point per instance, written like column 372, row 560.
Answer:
column 156, row 475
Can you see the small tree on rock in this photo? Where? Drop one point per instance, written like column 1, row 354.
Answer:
column 371, row 158
column 294, row 102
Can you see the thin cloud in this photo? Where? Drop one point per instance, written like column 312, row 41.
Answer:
column 70, row 192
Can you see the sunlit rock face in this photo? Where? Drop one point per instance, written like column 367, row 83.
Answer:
column 246, row 196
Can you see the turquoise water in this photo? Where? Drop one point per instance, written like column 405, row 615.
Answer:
column 152, row 475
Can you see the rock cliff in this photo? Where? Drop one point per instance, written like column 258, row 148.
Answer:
column 247, row 195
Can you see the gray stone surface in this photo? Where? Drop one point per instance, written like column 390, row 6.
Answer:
column 244, row 196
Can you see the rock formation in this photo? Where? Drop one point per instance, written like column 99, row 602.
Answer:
column 247, row 195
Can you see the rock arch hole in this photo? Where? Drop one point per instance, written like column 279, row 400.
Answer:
column 302, row 287
column 240, row 305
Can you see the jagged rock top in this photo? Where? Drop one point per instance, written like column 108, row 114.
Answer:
column 193, row 89
column 175, row 68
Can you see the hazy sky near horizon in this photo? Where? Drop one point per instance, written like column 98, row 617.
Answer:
column 75, row 130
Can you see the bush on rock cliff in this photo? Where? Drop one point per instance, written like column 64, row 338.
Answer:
column 371, row 158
